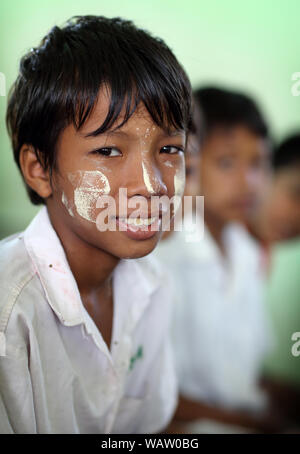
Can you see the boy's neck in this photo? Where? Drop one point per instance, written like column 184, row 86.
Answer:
column 259, row 227
column 92, row 267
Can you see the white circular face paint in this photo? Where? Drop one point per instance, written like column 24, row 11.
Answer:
column 90, row 185
column 67, row 205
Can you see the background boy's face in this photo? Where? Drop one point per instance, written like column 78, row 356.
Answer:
column 192, row 168
column 139, row 156
column 282, row 205
column 232, row 173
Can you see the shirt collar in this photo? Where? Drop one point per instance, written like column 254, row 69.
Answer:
column 133, row 285
column 51, row 265
column 132, row 289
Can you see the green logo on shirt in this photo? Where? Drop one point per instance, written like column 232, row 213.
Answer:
column 139, row 354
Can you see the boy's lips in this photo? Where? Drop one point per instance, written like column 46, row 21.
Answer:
column 143, row 217
column 139, row 228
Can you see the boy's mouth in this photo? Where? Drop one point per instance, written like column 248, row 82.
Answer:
column 139, row 228
column 137, row 222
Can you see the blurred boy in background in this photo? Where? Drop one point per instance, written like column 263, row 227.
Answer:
column 282, row 366
column 279, row 216
column 221, row 333
column 277, row 226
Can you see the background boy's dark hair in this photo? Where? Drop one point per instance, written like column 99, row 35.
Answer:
column 197, row 125
column 226, row 108
column 59, row 81
column 287, row 154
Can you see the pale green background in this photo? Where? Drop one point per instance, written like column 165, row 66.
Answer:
column 252, row 45
column 283, row 305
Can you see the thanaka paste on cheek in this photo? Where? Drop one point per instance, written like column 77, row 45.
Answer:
column 97, row 164
column 90, row 185
column 67, row 205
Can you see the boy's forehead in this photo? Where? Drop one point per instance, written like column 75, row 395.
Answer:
column 238, row 136
column 139, row 123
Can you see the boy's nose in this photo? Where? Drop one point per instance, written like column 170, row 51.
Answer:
column 249, row 179
column 144, row 176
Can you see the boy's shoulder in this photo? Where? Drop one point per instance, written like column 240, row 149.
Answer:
column 13, row 255
column 15, row 267
column 16, row 274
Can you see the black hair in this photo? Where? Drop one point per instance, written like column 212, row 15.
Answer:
column 287, row 154
column 59, row 81
column 227, row 109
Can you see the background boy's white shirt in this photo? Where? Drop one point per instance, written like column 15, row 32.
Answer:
column 57, row 375
column 220, row 329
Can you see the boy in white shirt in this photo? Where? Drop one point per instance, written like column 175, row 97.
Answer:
column 220, row 331
column 100, row 105
column 278, row 218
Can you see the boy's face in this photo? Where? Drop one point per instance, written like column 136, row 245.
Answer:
column 139, row 156
column 232, row 173
column 282, row 205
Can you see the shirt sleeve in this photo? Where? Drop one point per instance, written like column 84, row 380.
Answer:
column 16, row 398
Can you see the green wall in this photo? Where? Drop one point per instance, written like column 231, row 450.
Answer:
column 251, row 45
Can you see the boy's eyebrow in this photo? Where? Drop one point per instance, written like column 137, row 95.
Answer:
column 108, row 133
column 175, row 133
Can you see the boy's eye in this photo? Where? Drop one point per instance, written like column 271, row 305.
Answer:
column 107, row 151
column 171, row 149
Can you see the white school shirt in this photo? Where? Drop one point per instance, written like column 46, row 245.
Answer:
column 57, row 374
column 221, row 332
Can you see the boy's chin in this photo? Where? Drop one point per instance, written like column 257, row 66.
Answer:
column 139, row 250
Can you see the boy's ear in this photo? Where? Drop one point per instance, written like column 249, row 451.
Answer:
column 34, row 174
